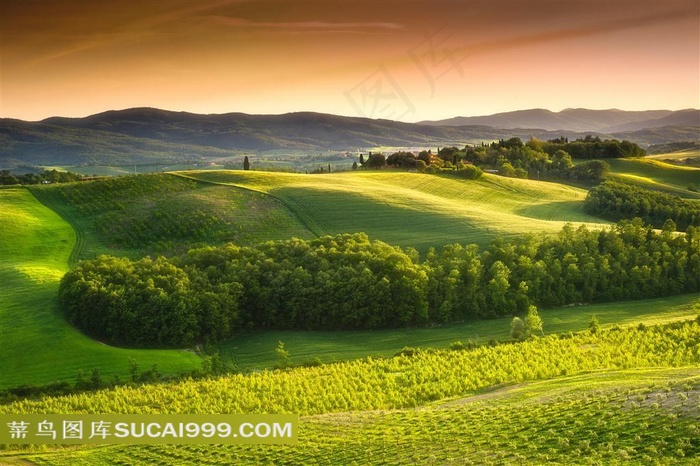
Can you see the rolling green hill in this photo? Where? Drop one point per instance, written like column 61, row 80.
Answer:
column 414, row 209
column 626, row 395
column 39, row 346
column 678, row 155
column 621, row 396
column 158, row 213
column 651, row 173
column 161, row 213
column 255, row 350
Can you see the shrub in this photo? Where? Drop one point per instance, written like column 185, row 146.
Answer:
column 457, row 346
column 506, row 169
column 520, row 173
column 469, row 172
column 517, row 329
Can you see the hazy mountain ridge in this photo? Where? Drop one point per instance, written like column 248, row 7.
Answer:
column 580, row 120
column 148, row 135
column 687, row 117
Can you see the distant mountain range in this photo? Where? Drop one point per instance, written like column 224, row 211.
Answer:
column 579, row 120
column 147, row 135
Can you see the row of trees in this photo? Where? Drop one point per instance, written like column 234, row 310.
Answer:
column 403, row 382
column 513, row 158
column 350, row 282
column 617, row 201
column 50, row 176
column 592, row 147
column 425, row 161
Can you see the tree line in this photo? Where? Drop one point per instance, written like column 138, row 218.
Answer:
column 617, row 201
column 512, row 158
column 536, row 159
column 49, row 176
column 592, row 147
column 349, row 282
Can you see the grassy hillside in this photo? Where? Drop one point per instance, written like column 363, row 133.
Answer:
column 613, row 417
column 159, row 213
column 38, row 345
column 414, row 209
column 162, row 213
column 619, row 396
column 256, row 350
column 678, row 156
column 654, row 174
column 626, row 395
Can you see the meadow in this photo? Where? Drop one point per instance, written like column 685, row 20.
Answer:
column 414, row 209
column 678, row 156
column 39, row 346
column 158, row 213
column 256, row 350
column 654, row 173
column 167, row 214
column 131, row 216
column 619, row 396
column 626, row 395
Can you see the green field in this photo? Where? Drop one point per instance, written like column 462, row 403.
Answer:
column 625, row 396
column 677, row 156
column 611, row 417
column 38, row 345
column 414, row 209
column 655, row 174
column 628, row 395
column 159, row 213
column 162, row 213
column 254, row 351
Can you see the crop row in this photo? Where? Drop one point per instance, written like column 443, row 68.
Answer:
column 394, row 383
column 588, row 426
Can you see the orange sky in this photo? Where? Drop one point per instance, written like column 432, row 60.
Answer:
column 407, row 60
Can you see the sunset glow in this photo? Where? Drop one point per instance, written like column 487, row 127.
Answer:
column 401, row 60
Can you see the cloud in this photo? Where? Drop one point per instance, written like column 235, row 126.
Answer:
column 138, row 29
column 599, row 27
column 309, row 26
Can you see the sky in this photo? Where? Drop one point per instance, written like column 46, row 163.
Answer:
column 401, row 60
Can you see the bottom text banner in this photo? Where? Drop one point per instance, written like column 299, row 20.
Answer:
column 148, row 428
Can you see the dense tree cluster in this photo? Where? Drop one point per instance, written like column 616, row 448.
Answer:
column 535, row 160
column 333, row 282
column 630, row 261
column 617, row 201
column 49, row 176
column 447, row 161
column 592, row 147
column 341, row 282
column 513, row 158
column 376, row 160
column 350, row 282
column 142, row 303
